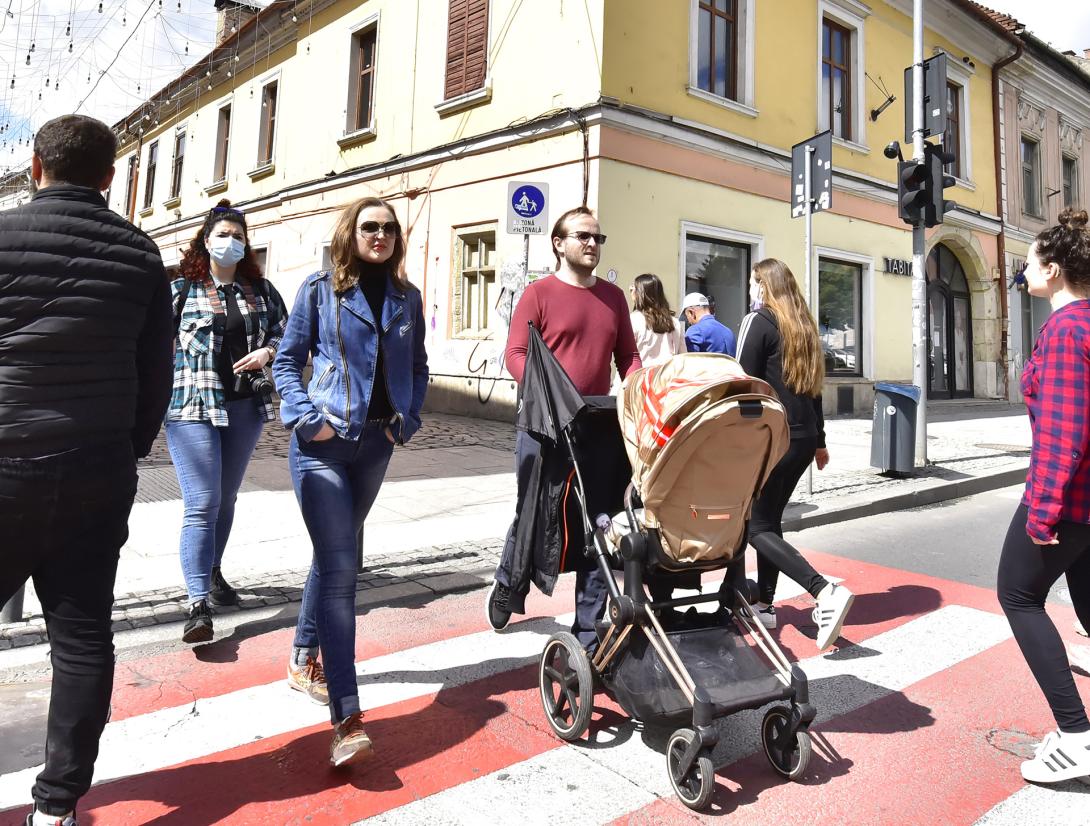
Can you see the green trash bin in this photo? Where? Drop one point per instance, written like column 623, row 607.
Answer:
column 893, row 431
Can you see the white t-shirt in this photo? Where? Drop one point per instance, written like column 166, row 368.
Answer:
column 655, row 348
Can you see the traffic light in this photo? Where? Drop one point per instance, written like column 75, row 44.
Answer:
column 912, row 195
column 936, row 160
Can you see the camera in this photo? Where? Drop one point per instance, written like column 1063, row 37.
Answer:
column 254, row 380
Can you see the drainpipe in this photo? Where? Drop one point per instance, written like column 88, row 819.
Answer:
column 1001, row 244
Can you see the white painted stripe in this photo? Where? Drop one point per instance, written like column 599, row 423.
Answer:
column 206, row 726
column 633, row 762
column 1061, row 803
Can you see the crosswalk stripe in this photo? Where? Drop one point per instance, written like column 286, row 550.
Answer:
column 1061, row 803
column 840, row 684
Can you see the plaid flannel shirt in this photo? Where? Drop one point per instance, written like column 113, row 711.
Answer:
column 1056, row 387
column 198, row 391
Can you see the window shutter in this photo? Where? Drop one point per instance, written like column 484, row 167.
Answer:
column 467, row 47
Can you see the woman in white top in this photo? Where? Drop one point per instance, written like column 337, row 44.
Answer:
column 658, row 333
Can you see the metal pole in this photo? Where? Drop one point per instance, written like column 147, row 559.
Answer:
column 919, row 283
column 807, row 195
column 525, row 260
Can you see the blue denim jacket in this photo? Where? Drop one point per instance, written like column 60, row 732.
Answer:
column 340, row 333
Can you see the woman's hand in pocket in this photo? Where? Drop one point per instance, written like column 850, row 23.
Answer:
column 325, row 434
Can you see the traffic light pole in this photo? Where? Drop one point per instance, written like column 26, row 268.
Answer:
column 808, row 195
column 919, row 281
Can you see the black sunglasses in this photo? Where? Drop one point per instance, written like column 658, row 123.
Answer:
column 372, row 228
column 222, row 210
column 584, row 237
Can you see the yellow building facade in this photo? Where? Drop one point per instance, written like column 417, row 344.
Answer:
column 674, row 120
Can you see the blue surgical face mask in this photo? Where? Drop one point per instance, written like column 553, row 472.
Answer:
column 225, row 250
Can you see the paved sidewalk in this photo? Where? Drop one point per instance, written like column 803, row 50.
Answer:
column 440, row 518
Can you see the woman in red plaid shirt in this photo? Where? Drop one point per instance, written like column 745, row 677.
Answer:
column 1050, row 532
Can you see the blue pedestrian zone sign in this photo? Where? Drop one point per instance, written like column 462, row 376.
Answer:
column 527, row 208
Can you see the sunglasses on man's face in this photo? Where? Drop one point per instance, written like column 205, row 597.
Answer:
column 373, row 227
column 584, row 238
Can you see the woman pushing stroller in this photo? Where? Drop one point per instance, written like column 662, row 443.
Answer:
column 778, row 342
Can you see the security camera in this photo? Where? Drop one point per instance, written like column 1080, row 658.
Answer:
column 893, row 151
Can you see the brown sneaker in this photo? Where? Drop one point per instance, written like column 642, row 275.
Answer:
column 310, row 679
column 350, row 741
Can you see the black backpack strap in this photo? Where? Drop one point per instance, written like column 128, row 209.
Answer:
column 182, row 299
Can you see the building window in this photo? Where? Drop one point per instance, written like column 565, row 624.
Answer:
column 266, row 134
column 717, row 47
column 720, row 270
column 467, row 47
column 1031, row 177
column 836, row 78
column 840, row 316
column 475, row 285
column 176, row 166
column 130, row 183
column 149, row 181
column 951, row 140
column 261, row 258
column 223, row 143
column 361, row 86
column 1070, row 180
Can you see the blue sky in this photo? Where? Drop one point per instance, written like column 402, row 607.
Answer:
column 1063, row 23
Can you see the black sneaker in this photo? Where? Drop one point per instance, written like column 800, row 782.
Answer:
column 221, row 593
column 496, row 606
column 198, row 628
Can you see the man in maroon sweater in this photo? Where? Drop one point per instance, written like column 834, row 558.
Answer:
column 585, row 322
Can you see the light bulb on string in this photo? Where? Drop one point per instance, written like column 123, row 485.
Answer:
column 124, row 19
column 100, row 8
column 294, row 19
column 69, row 46
column 187, row 47
column 28, row 59
column 68, row 29
column 56, row 85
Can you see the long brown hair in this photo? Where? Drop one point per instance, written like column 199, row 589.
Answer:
column 803, row 361
column 195, row 266
column 650, row 300
column 347, row 265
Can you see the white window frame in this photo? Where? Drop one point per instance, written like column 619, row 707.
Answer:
column 175, row 198
column 852, row 15
column 219, row 185
column 755, row 242
column 1076, row 184
column 746, row 60
column 1041, row 204
column 371, row 21
column 961, row 75
column 268, row 166
column 866, row 301
column 464, row 332
column 266, row 247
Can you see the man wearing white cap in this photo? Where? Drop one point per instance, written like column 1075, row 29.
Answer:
column 705, row 334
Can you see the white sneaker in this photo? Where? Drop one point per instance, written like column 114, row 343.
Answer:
column 1059, row 757
column 832, row 607
column 765, row 614
column 1079, row 657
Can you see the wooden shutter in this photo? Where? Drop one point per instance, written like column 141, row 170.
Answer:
column 467, row 47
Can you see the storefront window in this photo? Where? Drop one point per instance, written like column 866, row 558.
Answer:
column 720, row 270
column 840, row 314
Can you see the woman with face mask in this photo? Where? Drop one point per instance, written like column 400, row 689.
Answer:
column 228, row 322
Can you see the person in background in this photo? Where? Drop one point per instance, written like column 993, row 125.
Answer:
column 363, row 325
column 705, row 334
column 228, row 323
column 84, row 381
column 658, row 334
column 1049, row 535
column 779, row 343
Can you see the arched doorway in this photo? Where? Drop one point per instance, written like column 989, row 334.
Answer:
column 949, row 325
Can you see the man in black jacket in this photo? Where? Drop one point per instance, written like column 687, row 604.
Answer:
column 85, row 377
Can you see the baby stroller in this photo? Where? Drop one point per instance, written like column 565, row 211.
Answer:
column 702, row 438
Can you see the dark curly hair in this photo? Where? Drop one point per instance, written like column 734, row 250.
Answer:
column 195, row 264
column 1068, row 245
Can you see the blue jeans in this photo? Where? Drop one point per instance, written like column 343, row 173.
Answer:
column 210, row 462
column 336, row 482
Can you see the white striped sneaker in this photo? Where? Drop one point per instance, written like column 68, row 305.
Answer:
column 765, row 614
column 1079, row 657
column 1059, row 757
column 832, row 607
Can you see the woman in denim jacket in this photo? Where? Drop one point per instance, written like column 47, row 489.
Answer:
column 229, row 320
column 363, row 325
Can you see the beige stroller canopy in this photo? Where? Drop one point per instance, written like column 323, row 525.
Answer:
column 702, row 437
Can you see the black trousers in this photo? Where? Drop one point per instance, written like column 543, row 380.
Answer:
column 766, row 531
column 1026, row 574
column 63, row 520
column 591, row 590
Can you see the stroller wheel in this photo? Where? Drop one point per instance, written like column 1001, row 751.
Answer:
column 789, row 754
column 567, row 686
column 694, row 787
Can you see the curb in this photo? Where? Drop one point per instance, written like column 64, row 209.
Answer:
column 433, row 575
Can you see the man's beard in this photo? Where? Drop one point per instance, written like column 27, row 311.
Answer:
column 577, row 265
